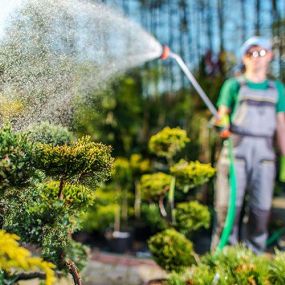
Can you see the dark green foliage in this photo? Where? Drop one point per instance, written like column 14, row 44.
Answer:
column 45, row 212
column 78, row 253
column 171, row 250
column 115, row 115
column 152, row 217
column 47, row 133
column 16, row 163
column 39, row 217
column 191, row 216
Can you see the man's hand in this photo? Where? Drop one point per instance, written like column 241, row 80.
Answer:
column 282, row 169
column 222, row 125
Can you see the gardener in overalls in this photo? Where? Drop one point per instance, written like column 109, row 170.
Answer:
column 252, row 107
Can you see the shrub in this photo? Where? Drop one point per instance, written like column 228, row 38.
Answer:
column 171, row 250
column 168, row 142
column 45, row 212
column 191, row 174
column 154, row 186
column 80, row 160
column 190, row 216
column 151, row 215
column 277, row 269
column 16, row 164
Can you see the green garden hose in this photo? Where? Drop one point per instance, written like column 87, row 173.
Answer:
column 232, row 198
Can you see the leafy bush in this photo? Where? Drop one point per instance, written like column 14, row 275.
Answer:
column 16, row 164
column 277, row 269
column 190, row 216
column 39, row 217
column 45, row 212
column 191, row 174
column 47, row 133
column 234, row 265
column 154, row 186
column 171, row 250
column 168, row 142
column 151, row 215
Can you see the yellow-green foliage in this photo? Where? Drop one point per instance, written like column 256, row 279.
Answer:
column 102, row 214
column 121, row 172
column 14, row 258
column 171, row 250
column 154, row 186
column 138, row 164
column 168, row 142
column 192, row 174
column 74, row 195
column 191, row 216
column 82, row 159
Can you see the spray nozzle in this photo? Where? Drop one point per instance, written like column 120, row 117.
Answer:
column 165, row 52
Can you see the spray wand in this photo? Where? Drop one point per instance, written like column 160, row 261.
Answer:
column 166, row 53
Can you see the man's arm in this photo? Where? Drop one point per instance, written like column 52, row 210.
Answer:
column 281, row 132
column 223, row 111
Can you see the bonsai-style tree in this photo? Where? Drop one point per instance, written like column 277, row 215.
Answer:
column 47, row 186
column 171, row 249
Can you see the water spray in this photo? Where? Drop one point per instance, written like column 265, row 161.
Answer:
column 166, row 53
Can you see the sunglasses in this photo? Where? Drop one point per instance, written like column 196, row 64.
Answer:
column 256, row 53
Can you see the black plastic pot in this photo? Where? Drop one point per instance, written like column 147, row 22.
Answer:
column 120, row 242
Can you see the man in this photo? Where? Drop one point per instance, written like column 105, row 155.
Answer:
column 252, row 108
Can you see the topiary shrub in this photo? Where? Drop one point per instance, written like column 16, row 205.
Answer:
column 82, row 161
column 168, row 142
column 171, row 250
column 44, row 212
column 191, row 174
column 191, row 216
column 154, row 186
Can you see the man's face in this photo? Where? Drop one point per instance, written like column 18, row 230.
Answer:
column 257, row 58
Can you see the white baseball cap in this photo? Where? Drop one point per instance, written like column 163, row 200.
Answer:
column 255, row 41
